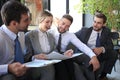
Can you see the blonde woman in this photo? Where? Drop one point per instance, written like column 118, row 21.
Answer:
column 39, row 43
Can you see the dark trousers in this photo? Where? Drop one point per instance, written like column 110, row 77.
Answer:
column 87, row 70
column 107, row 61
column 13, row 77
column 64, row 70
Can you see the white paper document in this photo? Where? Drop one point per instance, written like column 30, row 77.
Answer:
column 58, row 56
column 53, row 58
column 41, row 63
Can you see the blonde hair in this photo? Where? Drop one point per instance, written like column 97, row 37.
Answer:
column 42, row 15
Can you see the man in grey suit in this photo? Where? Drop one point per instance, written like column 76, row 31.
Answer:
column 16, row 18
column 102, row 46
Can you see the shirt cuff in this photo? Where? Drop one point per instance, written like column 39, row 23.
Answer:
column 92, row 55
column 3, row 69
column 33, row 58
column 103, row 50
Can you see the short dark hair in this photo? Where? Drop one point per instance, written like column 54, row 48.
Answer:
column 69, row 17
column 101, row 15
column 12, row 10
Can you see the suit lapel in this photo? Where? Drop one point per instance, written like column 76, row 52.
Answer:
column 50, row 40
column 88, row 33
column 35, row 39
column 102, row 37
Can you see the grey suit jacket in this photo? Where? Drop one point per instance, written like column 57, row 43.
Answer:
column 32, row 43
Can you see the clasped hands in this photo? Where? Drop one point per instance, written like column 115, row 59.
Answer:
column 17, row 69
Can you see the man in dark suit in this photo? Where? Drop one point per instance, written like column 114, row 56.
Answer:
column 102, row 46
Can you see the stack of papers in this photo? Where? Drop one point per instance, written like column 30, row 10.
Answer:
column 53, row 58
column 58, row 56
column 41, row 63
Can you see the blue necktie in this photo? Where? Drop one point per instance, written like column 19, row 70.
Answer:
column 18, row 51
column 98, row 40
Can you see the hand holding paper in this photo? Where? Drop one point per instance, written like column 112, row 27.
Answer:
column 69, row 53
column 58, row 56
column 53, row 58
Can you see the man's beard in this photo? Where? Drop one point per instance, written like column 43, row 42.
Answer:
column 97, row 29
column 60, row 31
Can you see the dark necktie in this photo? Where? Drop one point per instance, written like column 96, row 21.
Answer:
column 18, row 51
column 98, row 40
column 59, row 44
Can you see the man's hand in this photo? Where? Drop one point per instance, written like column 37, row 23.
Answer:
column 68, row 53
column 94, row 61
column 98, row 50
column 17, row 69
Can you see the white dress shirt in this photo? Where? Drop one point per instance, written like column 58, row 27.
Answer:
column 68, row 37
column 44, row 43
column 92, row 40
column 7, row 47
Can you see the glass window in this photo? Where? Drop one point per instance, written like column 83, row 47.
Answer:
column 77, row 17
column 58, row 8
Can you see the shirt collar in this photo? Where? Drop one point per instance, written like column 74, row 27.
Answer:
column 61, row 33
column 41, row 33
column 9, row 33
column 97, row 31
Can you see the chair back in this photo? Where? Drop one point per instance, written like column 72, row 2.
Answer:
column 115, row 36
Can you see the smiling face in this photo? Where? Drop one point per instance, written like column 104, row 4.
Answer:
column 46, row 24
column 98, row 24
column 64, row 25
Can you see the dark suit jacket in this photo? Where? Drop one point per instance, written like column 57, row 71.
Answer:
column 110, row 55
column 105, row 38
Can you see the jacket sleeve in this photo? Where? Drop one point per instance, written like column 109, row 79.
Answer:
column 28, row 49
column 81, row 34
column 107, row 40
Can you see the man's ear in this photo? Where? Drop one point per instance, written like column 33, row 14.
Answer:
column 14, row 23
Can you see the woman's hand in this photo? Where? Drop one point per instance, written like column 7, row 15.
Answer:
column 41, row 56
